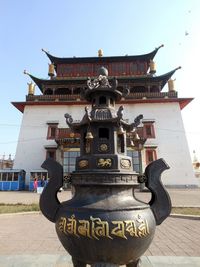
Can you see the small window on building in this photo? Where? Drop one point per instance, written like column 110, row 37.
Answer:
column 150, row 155
column 15, row 178
column 52, row 130
column 51, row 154
column 104, row 133
column 69, row 160
column 4, row 176
column 135, row 159
column 148, row 130
column 10, row 176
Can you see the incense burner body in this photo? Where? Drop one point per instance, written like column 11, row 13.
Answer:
column 109, row 225
column 104, row 224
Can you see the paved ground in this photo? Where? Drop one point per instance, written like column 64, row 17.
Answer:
column 30, row 239
column 179, row 197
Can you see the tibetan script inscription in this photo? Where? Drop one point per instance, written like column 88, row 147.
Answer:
column 95, row 228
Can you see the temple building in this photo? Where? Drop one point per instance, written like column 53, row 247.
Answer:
column 6, row 163
column 161, row 134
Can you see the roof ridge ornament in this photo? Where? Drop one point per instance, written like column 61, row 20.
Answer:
column 45, row 51
column 157, row 48
column 26, row 72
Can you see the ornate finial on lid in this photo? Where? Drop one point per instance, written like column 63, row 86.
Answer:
column 101, row 81
column 100, row 53
column 103, row 71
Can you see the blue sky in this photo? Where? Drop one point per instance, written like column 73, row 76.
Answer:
column 80, row 28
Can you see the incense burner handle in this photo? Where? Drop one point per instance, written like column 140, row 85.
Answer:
column 160, row 202
column 49, row 203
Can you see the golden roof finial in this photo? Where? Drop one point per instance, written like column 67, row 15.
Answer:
column 171, row 87
column 152, row 66
column 31, row 88
column 51, row 70
column 100, row 53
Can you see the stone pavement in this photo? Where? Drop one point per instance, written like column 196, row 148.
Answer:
column 24, row 237
column 179, row 197
column 30, row 239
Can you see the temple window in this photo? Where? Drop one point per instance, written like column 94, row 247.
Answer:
column 69, row 160
column 135, row 159
column 150, row 155
column 62, row 91
column 141, row 67
column 104, row 133
column 77, row 90
column 148, row 130
column 52, row 130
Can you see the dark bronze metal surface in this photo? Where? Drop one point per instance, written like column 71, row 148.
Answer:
column 104, row 225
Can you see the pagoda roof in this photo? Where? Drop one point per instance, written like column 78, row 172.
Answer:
column 162, row 79
column 126, row 58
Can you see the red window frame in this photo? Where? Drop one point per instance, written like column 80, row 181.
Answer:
column 52, row 131
column 150, row 155
column 148, row 130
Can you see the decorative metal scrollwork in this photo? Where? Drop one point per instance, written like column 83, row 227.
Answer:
column 69, row 119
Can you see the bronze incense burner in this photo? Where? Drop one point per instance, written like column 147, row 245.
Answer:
column 104, row 224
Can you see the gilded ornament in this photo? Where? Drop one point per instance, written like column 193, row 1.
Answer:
column 95, row 228
column 83, row 163
column 103, row 147
column 125, row 163
column 104, row 163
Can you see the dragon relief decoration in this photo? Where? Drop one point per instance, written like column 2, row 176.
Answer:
column 104, row 163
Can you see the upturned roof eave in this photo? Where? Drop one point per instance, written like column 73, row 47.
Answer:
column 63, row 60
column 162, row 79
column 149, row 78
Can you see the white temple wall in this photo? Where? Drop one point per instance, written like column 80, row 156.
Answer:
column 31, row 152
column 170, row 139
column 169, row 130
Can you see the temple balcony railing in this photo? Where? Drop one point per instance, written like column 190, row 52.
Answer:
column 172, row 94
column 64, row 136
column 77, row 97
column 65, row 133
column 69, row 97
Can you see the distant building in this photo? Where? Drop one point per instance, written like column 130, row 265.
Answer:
column 44, row 132
column 6, row 163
